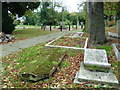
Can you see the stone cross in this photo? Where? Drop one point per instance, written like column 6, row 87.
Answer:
column 118, row 27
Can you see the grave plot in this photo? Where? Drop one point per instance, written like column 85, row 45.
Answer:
column 68, row 42
column 95, row 68
column 116, row 48
column 44, row 67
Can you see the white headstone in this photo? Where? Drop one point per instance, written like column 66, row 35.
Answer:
column 96, row 58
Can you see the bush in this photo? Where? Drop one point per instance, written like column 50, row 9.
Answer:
column 7, row 25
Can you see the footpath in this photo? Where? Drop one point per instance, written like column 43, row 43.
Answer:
column 16, row 46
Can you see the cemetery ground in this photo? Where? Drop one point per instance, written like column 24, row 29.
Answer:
column 64, row 76
column 27, row 33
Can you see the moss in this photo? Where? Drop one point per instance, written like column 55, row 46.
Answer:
column 106, row 47
column 45, row 63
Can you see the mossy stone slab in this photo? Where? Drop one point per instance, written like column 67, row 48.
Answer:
column 45, row 66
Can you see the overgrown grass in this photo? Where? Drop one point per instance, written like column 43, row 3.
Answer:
column 106, row 47
column 116, row 69
column 30, row 32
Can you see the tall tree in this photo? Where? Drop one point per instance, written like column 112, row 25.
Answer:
column 118, row 10
column 96, row 23
column 14, row 8
column 48, row 13
column 85, row 8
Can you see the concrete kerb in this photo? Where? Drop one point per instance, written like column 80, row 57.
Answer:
column 52, row 41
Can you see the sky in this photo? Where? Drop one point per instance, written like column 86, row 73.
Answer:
column 72, row 4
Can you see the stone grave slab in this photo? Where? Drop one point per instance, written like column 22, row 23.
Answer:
column 77, row 34
column 94, row 76
column 96, row 60
column 117, row 52
column 43, row 67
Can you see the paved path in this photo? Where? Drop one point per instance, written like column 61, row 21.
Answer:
column 16, row 46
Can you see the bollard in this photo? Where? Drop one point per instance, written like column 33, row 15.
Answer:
column 69, row 27
column 50, row 28
column 76, row 26
column 61, row 28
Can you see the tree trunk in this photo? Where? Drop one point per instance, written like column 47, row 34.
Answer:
column 96, row 23
column 86, row 19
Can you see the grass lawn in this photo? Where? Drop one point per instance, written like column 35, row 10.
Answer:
column 30, row 32
column 27, row 25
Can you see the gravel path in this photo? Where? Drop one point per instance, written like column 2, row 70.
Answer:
column 16, row 46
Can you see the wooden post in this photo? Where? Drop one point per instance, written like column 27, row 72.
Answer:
column 69, row 27
column 50, row 28
column 76, row 26
column 61, row 28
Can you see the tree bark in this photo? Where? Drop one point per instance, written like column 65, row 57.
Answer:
column 86, row 18
column 96, row 23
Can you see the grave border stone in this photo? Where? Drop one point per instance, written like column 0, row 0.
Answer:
column 117, row 53
column 118, row 28
column 48, row 44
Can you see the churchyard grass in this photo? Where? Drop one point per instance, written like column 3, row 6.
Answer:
column 30, row 33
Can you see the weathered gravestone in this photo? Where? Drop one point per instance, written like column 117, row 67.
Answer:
column 96, row 60
column 77, row 34
column 118, row 27
column 116, row 48
column 117, row 34
column 95, row 68
column 41, row 69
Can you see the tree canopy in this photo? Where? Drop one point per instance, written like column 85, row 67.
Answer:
column 14, row 8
